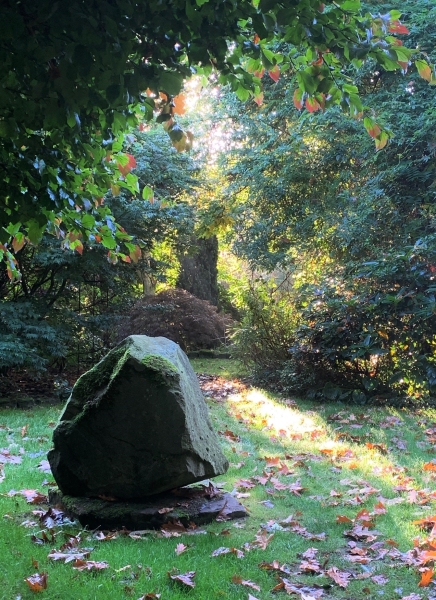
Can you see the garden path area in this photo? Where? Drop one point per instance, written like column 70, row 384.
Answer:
column 341, row 502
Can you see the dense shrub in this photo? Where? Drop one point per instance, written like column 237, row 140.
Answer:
column 175, row 314
column 368, row 334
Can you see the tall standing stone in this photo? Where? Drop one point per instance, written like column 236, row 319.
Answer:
column 135, row 425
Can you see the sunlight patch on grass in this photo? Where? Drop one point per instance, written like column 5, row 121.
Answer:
column 256, row 405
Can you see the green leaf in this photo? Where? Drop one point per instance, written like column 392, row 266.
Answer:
column 108, row 242
column 424, row 69
column 35, row 231
column 88, row 221
column 306, row 82
column 170, row 82
column 242, row 93
column 147, row 193
column 351, row 5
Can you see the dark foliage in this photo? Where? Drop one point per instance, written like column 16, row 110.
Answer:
column 193, row 323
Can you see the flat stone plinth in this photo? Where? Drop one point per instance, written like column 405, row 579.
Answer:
column 184, row 505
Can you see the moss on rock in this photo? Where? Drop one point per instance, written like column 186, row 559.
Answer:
column 135, row 425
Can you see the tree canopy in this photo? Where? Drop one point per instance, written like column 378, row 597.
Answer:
column 76, row 76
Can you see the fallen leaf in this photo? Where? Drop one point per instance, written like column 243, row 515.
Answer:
column 223, row 550
column 342, row 578
column 180, row 548
column 246, row 582
column 164, row 511
column 7, row 457
column 33, row 496
column 89, row 565
column 185, row 578
column 74, row 554
column 150, row 596
column 37, row 582
column 44, row 466
column 426, row 577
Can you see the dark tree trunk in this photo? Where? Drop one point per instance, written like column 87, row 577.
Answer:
column 199, row 272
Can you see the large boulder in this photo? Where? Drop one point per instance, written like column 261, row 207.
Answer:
column 136, row 424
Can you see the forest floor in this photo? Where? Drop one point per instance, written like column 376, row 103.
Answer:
column 341, row 504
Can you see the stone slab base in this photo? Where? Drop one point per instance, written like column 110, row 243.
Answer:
column 184, row 505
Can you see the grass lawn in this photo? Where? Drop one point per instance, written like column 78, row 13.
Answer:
column 334, row 493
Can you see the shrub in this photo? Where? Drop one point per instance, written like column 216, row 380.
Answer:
column 175, row 314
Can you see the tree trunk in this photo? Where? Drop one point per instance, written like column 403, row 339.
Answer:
column 199, row 273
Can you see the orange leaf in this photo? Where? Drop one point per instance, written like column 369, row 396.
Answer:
column 18, row 242
column 312, row 105
column 427, row 556
column 37, row 582
column 298, row 99
column 275, row 73
column 343, row 519
column 259, row 74
column 426, row 578
column 179, row 104
column 258, row 98
column 397, row 27
column 430, row 466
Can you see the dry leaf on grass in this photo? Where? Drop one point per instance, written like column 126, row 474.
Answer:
column 180, row 548
column 89, row 565
column 37, row 582
column 246, row 582
column 184, row 578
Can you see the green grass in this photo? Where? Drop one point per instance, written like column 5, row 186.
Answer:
column 265, row 426
column 229, row 369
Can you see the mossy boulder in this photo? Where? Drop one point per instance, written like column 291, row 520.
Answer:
column 135, row 425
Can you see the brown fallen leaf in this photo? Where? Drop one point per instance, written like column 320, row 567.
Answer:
column 310, row 566
column 52, row 517
column 33, row 496
column 310, row 553
column 246, row 582
column 342, row 578
column 262, row 539
column 184, row 578
column 164, row 511
column 89, row 565
column 173, row 529
column 37, row 582
column 300, row 589
column 150, row 596
column 44, row 539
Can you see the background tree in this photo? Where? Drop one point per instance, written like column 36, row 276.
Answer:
column 74, row 79
column 347, row 234
column 67, row 304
